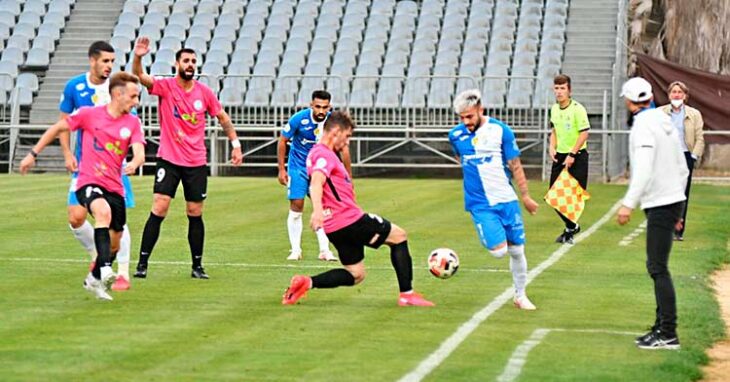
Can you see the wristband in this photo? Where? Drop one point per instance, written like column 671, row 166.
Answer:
column 572, row 155
column 33, row 153
column 236, row 144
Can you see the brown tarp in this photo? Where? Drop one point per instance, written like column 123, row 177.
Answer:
column 708, row 92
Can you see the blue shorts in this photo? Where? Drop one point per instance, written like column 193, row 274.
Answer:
column 298, row 187
column 500, row 223
column 128, row 198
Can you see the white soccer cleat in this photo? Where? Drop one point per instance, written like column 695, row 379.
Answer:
column 327, row 256
column 524, row 303
column 96, row 288
column 295, row 256
column 107, row 277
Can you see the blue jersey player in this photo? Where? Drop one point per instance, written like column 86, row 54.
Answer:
column 302, row 131
column 92, row 89
column 489, row 156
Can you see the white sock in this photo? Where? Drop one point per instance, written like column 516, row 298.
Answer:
column 294, row 225
column 85, row 236
column 125, row 245
column 324, row 243
column 518, row 266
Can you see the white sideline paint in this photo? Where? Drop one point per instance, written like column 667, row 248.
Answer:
column 519, row 357
column 450, row 344
column 241, row 265
column 633, row 235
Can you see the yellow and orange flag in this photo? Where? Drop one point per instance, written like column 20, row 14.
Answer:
column 567, row 196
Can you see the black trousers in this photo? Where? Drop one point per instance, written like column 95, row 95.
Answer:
column 579, row 171
column 659, row 238
column 690, row 167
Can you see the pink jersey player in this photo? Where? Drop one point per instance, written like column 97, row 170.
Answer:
column 104, row 146
column 182, row 120
column 338, row 198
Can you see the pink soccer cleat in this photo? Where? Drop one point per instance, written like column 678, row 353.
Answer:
column 297, row 289
column 413, row 299
column 120, row 284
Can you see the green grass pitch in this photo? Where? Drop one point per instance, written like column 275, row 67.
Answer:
column 233, row 326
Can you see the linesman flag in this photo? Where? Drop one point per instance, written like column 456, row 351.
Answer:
column 567, row 196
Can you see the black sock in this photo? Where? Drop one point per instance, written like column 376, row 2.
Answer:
column 149, row 237
column 401, row 260
column 102, row 241
column 196, row 236
column 333, row 279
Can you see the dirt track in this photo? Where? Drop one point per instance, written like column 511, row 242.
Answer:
column 719, row 368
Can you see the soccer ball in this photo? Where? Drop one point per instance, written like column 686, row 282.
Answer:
column 443, row 263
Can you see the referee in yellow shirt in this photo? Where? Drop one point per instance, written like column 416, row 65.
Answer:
column 569, row 122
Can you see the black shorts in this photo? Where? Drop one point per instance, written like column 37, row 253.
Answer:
column 194, row 180
column 579, row 169
column 91, row 192
column 350, row 241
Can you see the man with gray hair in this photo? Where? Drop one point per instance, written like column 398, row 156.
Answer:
column 486, row 146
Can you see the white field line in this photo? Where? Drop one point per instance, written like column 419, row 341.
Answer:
column 633, row 235
column 450, row 344
column 292, row 265
column 517, row 361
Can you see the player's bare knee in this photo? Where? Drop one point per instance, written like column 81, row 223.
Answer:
column 297, row 205
column 499, row 251
column 397, row 235
column 194, row 209
column 76, row 216
column 160, row 205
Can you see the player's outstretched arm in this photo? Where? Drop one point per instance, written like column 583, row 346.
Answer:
column 280, row 159
column 45, row 140
column 515, row 165
column 316, row 187
column 65, row 138
column 137, row 159
column 230, row 131
column 141, row 48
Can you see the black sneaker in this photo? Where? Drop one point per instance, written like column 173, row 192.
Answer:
column 658, row 340
column 141, row 272
column 678, row 237
column 569, row 234
column 561, row 239
column 199, row 273
column 644, row 337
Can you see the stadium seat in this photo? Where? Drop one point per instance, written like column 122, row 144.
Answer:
column 160, row 69
column 10, row 6
column 217, row 56
column 24, row 29
column 182, row 19
column 25, row 96
column 28, row 81
column 38, row 57
column 231, row 97
column 166, row 56
column 14, row 55
column 129, row 18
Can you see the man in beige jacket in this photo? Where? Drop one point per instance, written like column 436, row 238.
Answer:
column 688, row 122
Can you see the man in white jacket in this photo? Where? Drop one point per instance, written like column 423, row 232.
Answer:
column 658, row 178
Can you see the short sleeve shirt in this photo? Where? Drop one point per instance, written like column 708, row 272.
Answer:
column 182, row 121
column 338, row 196
column 568, row 124
column 104, row 146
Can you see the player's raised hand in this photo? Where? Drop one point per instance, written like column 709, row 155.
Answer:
column 530, row 204
column 283, row 178
column 27, row 163
column 236, row 156
column 142, row 47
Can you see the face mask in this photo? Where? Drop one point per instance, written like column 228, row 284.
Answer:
column 677, row 102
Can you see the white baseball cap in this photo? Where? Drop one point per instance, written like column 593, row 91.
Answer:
column 637, row 90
